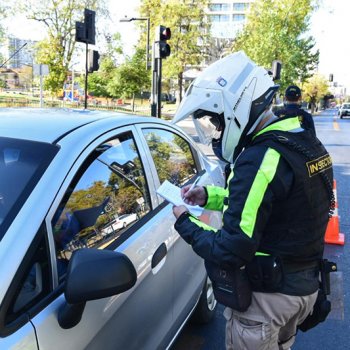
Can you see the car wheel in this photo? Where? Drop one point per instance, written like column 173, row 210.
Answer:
column 205, row 309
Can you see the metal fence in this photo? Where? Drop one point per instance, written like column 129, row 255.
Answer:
column 26, row 102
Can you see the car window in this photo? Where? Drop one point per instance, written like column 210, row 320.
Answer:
column 110, row 183
column 32, row 281
column 22, row 163
column 172, row 156
column 347, row 106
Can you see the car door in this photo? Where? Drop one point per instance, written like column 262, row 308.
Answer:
column 176, row 160
column 112, row 177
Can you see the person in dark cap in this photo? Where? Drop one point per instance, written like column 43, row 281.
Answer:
column 292, row 108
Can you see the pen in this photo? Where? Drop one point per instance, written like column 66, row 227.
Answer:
column 194, row 184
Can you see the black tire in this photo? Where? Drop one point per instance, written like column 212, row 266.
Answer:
column 207, row 304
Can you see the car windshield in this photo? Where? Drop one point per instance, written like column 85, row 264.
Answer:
column 22, row 163
column 347, row 106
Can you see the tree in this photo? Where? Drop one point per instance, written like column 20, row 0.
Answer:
column 25, row 75
column 130, row 77
column 98, row 81
column 59, row 18
column 189, row 28
column 314, row 89
column 274, row 31
column 3, row 84
column 5, row 10
column 217, row 48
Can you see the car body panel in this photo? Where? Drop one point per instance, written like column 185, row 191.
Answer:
column 23, row 339
column 115, row 320
column 171, row 286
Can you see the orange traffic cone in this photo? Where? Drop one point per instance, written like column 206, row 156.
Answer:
column 332, row 235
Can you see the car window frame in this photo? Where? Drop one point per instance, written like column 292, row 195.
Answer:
column 69, row 178
column 173, row 129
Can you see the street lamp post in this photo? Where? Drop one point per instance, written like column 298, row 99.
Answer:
column 126, row 19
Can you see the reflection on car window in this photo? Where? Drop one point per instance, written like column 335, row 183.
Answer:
column 172, row 156
column 108, row 195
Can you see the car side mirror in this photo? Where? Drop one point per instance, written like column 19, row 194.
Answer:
column 94, row 274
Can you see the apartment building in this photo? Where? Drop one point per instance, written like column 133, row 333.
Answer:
column 17, row 52
column 227, row 17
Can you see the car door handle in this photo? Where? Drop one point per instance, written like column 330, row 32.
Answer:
column 159, row 256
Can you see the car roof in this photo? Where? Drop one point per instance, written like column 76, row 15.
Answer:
column 49, row 125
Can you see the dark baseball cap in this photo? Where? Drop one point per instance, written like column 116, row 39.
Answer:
column 293, row 92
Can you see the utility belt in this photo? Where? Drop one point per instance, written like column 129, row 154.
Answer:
column 233, row 287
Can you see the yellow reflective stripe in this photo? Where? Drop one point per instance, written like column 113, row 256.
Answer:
column 261, row 254
column 230, row 176
column 283, row 125
column 256, row 194
column 216, row 197
column 202, row 224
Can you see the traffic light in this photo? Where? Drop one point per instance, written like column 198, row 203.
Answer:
column 276, row 70
column 80, row 35
column 330, row 77
column 161, row 47
column 85, row 31
column 89, row 21
column 93, row 57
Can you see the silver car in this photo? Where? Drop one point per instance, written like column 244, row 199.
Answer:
column 65, row 284
column 344, row 110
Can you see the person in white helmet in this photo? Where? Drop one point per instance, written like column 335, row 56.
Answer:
column 264, row 261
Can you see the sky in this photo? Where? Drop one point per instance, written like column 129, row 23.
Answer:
column 329, row 26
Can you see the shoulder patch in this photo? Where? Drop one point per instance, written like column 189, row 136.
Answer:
column 318, row 165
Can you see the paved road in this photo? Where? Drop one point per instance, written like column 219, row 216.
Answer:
column 335, row 332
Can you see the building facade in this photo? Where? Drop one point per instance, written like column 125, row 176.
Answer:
column 227, row 17
column 18, row 52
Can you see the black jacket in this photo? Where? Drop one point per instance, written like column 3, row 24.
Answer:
column 294, row 110
column 272, row 205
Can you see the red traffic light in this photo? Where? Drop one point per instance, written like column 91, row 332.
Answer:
column 161, row 47
column 163, row 33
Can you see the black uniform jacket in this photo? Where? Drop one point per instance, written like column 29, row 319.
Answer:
column 277, row 202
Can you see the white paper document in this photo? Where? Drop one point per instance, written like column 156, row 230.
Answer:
column 172, row 194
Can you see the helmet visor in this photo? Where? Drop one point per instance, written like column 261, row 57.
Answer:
column 209, row 128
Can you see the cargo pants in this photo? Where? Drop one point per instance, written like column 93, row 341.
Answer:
column 270, row 323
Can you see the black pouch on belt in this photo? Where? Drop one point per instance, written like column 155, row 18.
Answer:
column 231, row 286
column 320, row 312
column 265, row 273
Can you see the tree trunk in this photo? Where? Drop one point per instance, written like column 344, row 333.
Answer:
column 313, row 105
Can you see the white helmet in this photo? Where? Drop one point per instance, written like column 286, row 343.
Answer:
column 227, row 102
